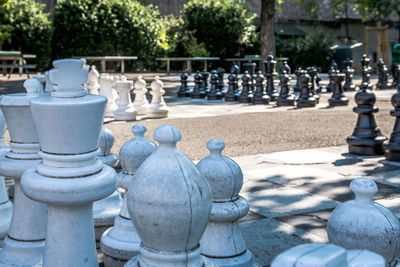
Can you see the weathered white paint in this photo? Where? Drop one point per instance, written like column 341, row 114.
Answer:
column 125, row 110
column 157, row 108
column 140, row 103
column 92, row 84
column 107, row 89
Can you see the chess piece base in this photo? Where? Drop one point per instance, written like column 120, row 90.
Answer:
column 384, row 86
column 349, row 88
column 273, row 97
column 366, row 149
column 343, row 101
column 285, row 102
column 261, row 100
column 157, row 115
column 214, row 97
column 5, row 218
column 245, row 100
column 21, row 253
column 306, row 103
column 233, row 98
column 105, row 211
column 392, row 152
column 125, row 115
column 243, row 260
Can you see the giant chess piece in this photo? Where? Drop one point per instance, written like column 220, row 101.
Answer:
column 24, row 244
column 338, row 98
column 251, row 68
column 121, row 242
column 204, row 84
column 326, row 255
column 222, row 241
column 366, row 71
column 107, row 89
column 126, row 111
column 392, row 148
column 214, row 93
column 366, row 138
column 306, row 98
column 298, row 72
column 318, row 80
column 105, row 210
column 68, row 124
column 198, row 91
column 221, row 85
column 49, row 86
column 157, row 108
column 285, row 98
column 270, row 73
column 93, row 85
column 364, row 224
column 285, row 68
column 140, row 103
column 236, row 70
column 383, row 77
column 169, row 206
column 333, row 68
column 260, row 97
column 245, row 95
column 230, row 95
column 312, row 71
column 396, row 76
column 5, row 203
column 349, row 72
column 42, row 80
column 184, row 89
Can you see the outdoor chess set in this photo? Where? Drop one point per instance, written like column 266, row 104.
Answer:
column 161, row 209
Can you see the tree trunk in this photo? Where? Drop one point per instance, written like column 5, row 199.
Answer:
column 267, row 34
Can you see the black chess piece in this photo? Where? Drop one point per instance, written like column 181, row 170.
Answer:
column 312, row 71
column 349, row 72
column 221, row 85
column 251, row 68
column 286, row 68
column 198, row 91
column 366, row 70
column 297, row 72
column 184, row 89
column 205, row 86
column 285, row 98
column 396, row 76
column 214, row 93
column 306, row 99
column 235, row 69
column 332, row 69
column 270, row 73
column 366, row 138
column 259, row 97
column 318, row 79
column 338, row 98
column 383, row 76
column 392, row 148
column 246, row 95
column 231, row 95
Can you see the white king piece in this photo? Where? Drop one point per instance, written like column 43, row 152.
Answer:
column 68, row 124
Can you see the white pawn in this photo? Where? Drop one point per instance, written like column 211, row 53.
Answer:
column 169, row 202
column 93, row 81
column 41, row 79
column 222, row 242
column 5, row 203
column 121, row 242
column 141, row 104
column 49, row 86
column 157, row 108
column 105, row 210
column 326, row 255
column 107, row 84
column 364, row 224
column 126, row 110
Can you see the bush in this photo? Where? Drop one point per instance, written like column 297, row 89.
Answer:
column 223, row 28
column 312, row 50
column 25, row 27
column 107, row 27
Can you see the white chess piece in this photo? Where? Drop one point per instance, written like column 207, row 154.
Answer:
column 68, row 124
column 41, row 79
column 141, row 104
column 107, row 84
column 157, row 107
column 126, row 110
column 93, row 81
column 49, row 86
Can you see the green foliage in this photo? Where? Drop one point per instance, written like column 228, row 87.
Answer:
column 222, row 28
column 375, row 9
column 25, row 27
column 302, row 51
column 108, row 27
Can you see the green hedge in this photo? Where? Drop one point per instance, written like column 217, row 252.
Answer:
column 25, row 27
column 107, row 27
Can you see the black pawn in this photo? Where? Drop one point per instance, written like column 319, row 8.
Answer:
column 338, row 98
column 285, row 98
column 396, row 76
column 286, row 68
column 251, row 68
column 259, row 97
column 312, row 71
column 270, row 73
column 214, row 93
column 246, row 95
column 383, row 77
column 349, row 72
column 392, row 148
column 230, row 95
column 366, row 138
column 318, row 79
column 366, row 70
column 332, row 69
column 221, row 72
column 298, row 73
column 306, row 99
column 184, row 89
column 198, row 89
column 205, row 86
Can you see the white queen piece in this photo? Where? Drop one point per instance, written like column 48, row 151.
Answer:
column 68, row 124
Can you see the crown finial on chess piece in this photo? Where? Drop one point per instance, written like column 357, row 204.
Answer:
column 215, row 146
column 364, row 189
column 167, row 135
